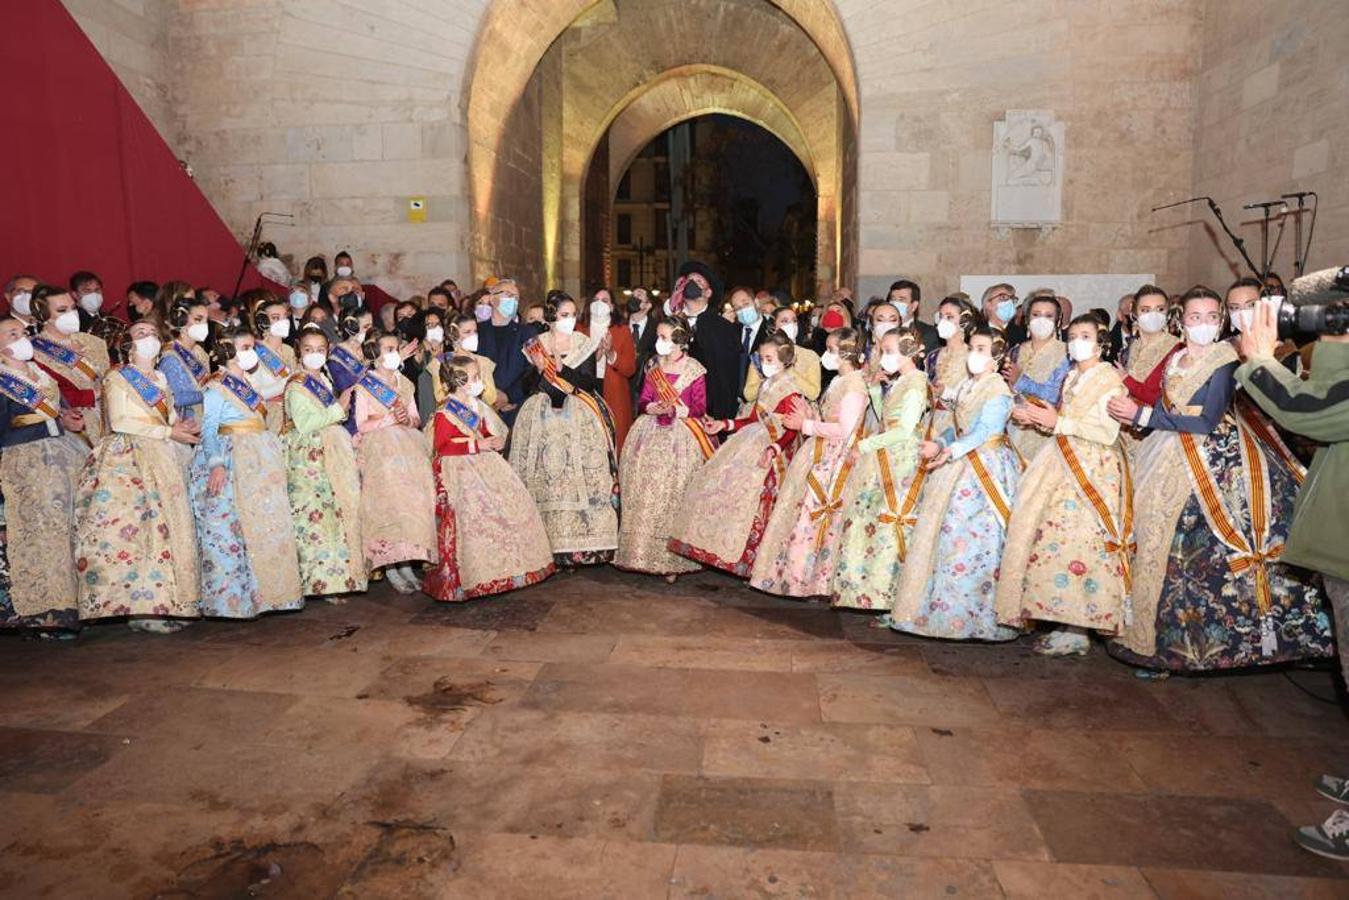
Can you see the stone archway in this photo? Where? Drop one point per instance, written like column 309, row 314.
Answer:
column 540, row 100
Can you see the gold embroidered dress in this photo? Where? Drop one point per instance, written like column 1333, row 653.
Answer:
column 1067, row 553
column 135, row 539
column 398, row 492
column 1037, row 365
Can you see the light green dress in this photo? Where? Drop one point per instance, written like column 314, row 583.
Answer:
column 881, row 498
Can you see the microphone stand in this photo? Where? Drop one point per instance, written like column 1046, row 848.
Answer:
column 1237, row 242
column 253, row 247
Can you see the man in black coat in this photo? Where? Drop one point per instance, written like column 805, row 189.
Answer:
column 502, row 339
column 716, row 342
column 908, row 297
column 643, row 318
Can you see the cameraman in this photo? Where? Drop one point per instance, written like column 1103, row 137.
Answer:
column 1318, row 539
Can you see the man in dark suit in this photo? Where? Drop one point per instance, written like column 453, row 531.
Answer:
column 908, row 297
column 716, row 342
column 999, row 306
column 642, row 321
column 502, row 339
column 1122, row 332
column 754, row 329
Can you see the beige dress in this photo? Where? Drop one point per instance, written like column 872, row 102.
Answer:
column 86, row 374
column 1067, row 556
column 398, row 493
column 135, row 538
column 947, row 368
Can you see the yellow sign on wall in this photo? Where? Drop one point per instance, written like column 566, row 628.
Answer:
column 416, row 209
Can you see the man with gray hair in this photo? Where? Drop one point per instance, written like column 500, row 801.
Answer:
column 18, row 293
column 999, row 305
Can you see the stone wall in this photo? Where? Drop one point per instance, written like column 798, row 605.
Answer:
column 133, row 36
column 1273, row 117
column 935, row 76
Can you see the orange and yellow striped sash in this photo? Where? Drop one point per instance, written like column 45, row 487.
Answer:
column 831, row 502
column 1000, row 504
column 1120, row 540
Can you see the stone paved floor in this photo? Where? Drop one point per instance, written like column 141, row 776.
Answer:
column 606, row 735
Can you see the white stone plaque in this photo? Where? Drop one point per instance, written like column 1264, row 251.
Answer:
column 1028, row 149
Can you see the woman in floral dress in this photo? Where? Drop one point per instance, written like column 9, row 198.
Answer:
column 882, row 492
column 946, row 588
column 492, row 539
column 322, row 480
column 398, row 512
column 238, row 480
column 135, row 542
column 1066, row 559
column 800, row 544
column 721, row 518
column 666, row 447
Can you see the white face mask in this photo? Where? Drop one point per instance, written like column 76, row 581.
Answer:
column 314, row 360
column 469, row 343
column 881, row 329
column 22, row 303
column 92, row 303
column 146, row 347
column 978, row 363
column 1041, row 327
column 1242, row 319
column 565, row 324
column 789, row 329
column 475, row 388
column 299, row 299
column 1151, row 322
column 280, row 329
column 390, row 360
column 946, row 329
column 344, row 271
column 829, row 359
column 664, row 347
column 198, row 331
column 770, row 369
column 68, row 322
column 435, row 334
column 22, row 349
column 600, row 309
column 247, row 359
column 890, row 362
column 1203, row 334
column 1082, row 349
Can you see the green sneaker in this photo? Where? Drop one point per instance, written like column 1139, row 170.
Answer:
column 1329, row 839
column 1334, row 788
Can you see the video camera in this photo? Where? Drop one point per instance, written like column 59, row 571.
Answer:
column 1318, row 305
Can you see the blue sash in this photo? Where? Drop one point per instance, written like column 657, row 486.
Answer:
column 243, row 391
column 189, row 359
column 147, row 390
column 463, row 413
column 273, row 362
column 25, row 393
column 315, row 386
column 344, row 358
column 63, row 355
column 386, row 395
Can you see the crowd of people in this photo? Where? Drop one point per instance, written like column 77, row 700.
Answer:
column 1007, row 468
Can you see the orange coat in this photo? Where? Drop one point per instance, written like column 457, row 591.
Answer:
column 618, row 380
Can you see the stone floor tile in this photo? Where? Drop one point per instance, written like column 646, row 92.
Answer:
column 204, row 714
column 846, row 657
column 1015, row 659
column 1064, row 705
column 1258, row 767
column 884, row 877
column 941, row 821
column 1190, row 884
column 530, row 646
column 833, row 751
column 393, row 727
column 325, row 671
column 534, row 867
column 45, row 762
column 695, row 652
column 907, row 700
column 1034, row 880
column 50, row 701
column 566, row 740
column 1218, row 833
column 1281, row 704
column 522, row 611
column 746, row 812
column 1064, row 760
column 726, row 873
column 396, row 640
